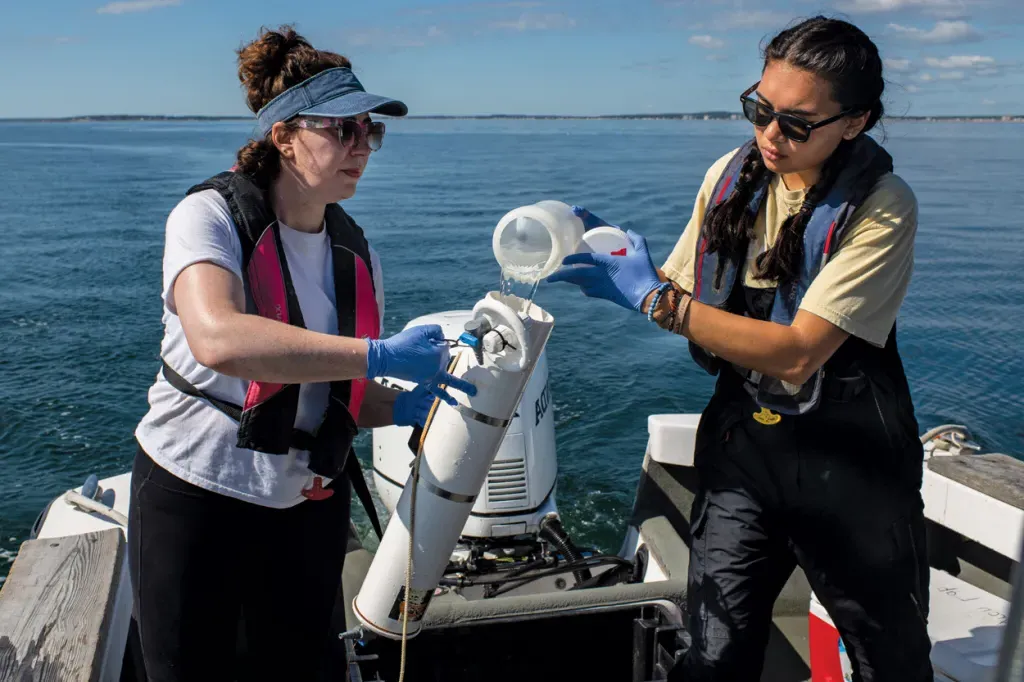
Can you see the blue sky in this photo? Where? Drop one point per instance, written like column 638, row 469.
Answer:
column 71, row 57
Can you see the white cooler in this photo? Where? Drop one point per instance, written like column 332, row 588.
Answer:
column 965, row 624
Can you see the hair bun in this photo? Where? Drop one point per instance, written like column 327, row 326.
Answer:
column 269, row 65
column 261, row 63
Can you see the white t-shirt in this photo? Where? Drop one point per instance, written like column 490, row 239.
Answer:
column 188, row 436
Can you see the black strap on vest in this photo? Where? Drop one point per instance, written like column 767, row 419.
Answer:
column 300, row 440
column 849, row 367
column 268, row 426
column 265, row 426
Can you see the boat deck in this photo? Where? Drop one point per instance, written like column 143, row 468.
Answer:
column 998, row 476
column 59, row 616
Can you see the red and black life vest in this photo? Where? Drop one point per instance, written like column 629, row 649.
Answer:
column 266, row 419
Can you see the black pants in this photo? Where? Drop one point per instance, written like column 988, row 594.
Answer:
column 837, row 492
column 201, row 562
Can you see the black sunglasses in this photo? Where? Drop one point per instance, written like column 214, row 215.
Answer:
column 792, row 127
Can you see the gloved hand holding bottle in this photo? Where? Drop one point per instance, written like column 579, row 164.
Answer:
column 591, row 220
column 626, row 280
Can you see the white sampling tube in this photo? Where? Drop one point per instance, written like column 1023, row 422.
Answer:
column 457, row 448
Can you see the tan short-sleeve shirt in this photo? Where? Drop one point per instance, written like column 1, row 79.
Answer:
column 861, row 288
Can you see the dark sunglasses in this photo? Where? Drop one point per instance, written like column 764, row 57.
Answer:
column 350, row 131
column 792, row 127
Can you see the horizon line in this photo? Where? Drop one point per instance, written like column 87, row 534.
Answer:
column 715, row 114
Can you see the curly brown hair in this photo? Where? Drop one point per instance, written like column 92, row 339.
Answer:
column 268, row 66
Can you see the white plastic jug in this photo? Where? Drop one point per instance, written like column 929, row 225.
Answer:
column 530, row 241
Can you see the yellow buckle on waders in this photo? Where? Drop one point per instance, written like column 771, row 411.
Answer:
column 767, row 417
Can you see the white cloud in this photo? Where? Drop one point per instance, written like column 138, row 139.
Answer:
column 952, row 69
column 707, row 42
column 427, row 34
column 536, row 22
column 988, row 102
column 899, row 65
column 381, row 38
column 940, row 7
column 944, row 32
column 962, row 67
column 135, row 6
column 50, row 40
column 661, row 65
column 471, row 7
column 960, row 62
column 717, row 57
column 756, row 19
column 870, row 5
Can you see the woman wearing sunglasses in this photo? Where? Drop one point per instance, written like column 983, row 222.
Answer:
column 273, row 303
column 787, row 282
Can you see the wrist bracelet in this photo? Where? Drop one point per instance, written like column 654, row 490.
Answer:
column 674, row 297
column 657, row 298
column 682, row 309
column 668, row 320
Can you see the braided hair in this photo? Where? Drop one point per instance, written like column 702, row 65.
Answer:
column 845, row 57
column 730, row 223
column 782, row 261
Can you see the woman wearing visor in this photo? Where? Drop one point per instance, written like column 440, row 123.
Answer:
column 272, row 314
column 787, row 282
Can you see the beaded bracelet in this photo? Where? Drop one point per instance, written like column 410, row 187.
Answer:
column 678, row 306
column 664, row 310
column 674, row 295
column 657, row 297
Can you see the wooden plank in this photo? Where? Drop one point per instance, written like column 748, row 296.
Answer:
column 998, row 476
column 55, row 607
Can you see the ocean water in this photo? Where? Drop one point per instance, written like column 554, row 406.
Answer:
column 82, row 221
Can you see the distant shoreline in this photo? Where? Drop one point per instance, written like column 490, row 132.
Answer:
column 697, row 116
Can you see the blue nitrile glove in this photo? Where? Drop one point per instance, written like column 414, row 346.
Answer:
column 590, row 221
column 450, row 381
column 416, row 354
column 413, row 407
column 625, row 280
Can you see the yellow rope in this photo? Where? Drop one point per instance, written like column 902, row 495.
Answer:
column 412, row 524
